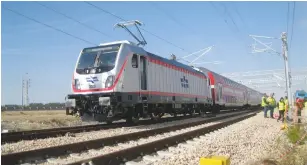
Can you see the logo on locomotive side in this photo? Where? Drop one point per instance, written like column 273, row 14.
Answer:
column 91, row 79
column 184, row 82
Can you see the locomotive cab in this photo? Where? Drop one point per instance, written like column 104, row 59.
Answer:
column 95, row 82
column 95, row 69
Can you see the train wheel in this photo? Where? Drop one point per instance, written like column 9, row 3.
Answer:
column 155, row 115
column 87, row 118
column 174, row 114
column 202, row 113
column 161, row 115
column 191, row 112
column 109, row 121
column 133, row 116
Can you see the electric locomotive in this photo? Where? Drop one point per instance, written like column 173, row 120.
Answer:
column 120, row 80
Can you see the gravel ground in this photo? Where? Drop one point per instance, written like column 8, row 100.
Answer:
column 78, row 137
column 121, row 146
column 245, row 142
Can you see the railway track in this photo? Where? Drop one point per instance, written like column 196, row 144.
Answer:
column 117, row 157
column 54, row 132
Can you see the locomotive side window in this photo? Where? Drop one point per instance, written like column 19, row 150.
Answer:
column 134, row 61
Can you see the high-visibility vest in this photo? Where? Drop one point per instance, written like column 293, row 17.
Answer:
column 263, row 103
column 271, row 101
column 281, row 105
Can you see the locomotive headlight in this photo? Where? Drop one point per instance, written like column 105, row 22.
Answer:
column 109, row 82
column 70, row 103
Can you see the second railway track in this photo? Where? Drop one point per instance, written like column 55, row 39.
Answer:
column 36, row 156
column 54, row 132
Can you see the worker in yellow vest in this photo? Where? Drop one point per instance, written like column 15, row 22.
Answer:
column 281, row 107
column 264, row 104
column 272, row 104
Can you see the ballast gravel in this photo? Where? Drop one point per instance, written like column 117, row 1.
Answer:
column 121, row 146
column 27, row 145
column 244, row 142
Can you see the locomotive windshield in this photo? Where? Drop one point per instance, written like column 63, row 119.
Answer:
column 101, row 58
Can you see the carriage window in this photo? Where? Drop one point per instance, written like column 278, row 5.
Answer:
column 134, row 61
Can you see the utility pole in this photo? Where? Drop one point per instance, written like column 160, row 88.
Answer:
column 288, row 82
column 25, row 91
column 22, row 87
column 284, row 54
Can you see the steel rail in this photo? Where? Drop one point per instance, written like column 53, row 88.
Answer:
column 128, row 154
column 54, row 132
column 44, row 153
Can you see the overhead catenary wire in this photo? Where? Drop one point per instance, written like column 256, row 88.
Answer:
column 83, row 24
column 170, row 16
column 54, row 28
column 292, row 26
column 122, row 19
column 240, row 16
column 235, row 31
column 229, row 15
column 225, row 20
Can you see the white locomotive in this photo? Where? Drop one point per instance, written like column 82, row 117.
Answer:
column 121, row 80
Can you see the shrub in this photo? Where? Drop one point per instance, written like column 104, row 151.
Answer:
column 295, row 133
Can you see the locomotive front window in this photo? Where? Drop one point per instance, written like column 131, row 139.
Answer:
column 101, row 58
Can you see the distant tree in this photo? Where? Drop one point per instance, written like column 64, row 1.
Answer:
column 33, row 106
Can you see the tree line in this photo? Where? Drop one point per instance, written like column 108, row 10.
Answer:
column 34, row 106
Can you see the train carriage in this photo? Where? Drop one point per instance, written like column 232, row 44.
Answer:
column 228, row 94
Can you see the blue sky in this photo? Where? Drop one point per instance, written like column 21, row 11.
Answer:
column 49, row 56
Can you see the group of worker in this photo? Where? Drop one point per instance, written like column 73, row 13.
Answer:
column 269, row 104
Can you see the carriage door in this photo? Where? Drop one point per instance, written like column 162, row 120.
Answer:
column 246, row 97
column 219, row 92
column 143, row 78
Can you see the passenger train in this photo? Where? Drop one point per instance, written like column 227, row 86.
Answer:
column 121, row 80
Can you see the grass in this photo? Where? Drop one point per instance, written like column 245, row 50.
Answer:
column 29, row 120
column 297, row 154
column 295, row 133
column 286, row 152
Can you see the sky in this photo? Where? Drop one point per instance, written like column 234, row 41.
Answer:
column 49, row 56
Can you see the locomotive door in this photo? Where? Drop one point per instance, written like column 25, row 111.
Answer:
column 143, row 78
